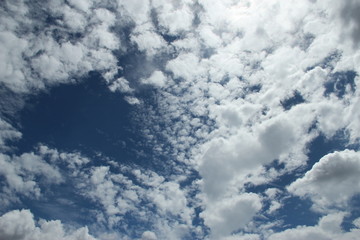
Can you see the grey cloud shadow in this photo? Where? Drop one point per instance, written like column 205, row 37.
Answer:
column 350, row 16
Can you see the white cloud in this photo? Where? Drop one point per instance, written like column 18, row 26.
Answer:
column 132, row 100
column 157, row 79
column 20, row 172
column 186, row 66
column 73, row 19
column 242, row 237
column 329, row 227
column 121, row 85
column 279, row 48
column 20, row 225
column 34, row 60
column 231, row 214
column 139, row 11
column 148, row 236
column 220, row 90
column 82, row 5
column 7, row 132
column 146, row 39
column 332, row 181
column 34, row 173
column 12, row 69
column 174, row 17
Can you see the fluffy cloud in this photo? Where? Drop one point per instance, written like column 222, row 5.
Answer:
column 121, row 85
column 141, row 193
column 8, row 132
column 148, row 40
column 33, row 60
column 231, row 214
column 174, row 17
column 148, row 236
column 121, row 194
column 21, row 174
column 223, row 71
column 20, row 225
column 157, row 79
column 244, row 61
column 332, row 181
column 33, row 173
column 329, row 227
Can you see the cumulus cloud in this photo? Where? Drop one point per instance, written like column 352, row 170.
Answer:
column 161, row 205
column 121, row 85
column 223, row 70
column 148, row 236
column 34, row 60
column 21, row 174
column 33, row 173
column 332, row 181
column 8, row 132
column 157, row 79
column 146, row 39
column 231, row 214
column 174, row 17
column 243, row 62
column 328, row 227
column 119, row 195
column 21, row 225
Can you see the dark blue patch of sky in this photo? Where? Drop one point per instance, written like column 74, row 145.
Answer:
column 339, row 82
column 84, row 117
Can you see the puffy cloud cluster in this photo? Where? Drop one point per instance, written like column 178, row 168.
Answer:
column 31, row 173
column 160, row 204
column 21, row 225
column 47, row 43
column 239, row 84
column 225, row 106
column 150, row 199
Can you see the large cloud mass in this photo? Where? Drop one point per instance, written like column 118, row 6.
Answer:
column 240, row 91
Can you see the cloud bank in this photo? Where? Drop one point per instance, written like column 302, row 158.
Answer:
column 240, row 91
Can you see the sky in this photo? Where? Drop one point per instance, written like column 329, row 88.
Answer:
column 179, row 119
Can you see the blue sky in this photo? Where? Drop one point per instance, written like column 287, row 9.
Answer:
column 205, row 119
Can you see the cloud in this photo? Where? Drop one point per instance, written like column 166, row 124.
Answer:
column 329, row 227
column 52, row 55
column 148, row 236
column 35, row 173
column 146, row 39
column 162, row 206
column 174, row 17
column 143, row 194
column 138, row 11
column 121, row 85
column 332, row 181
column 21, row 174
column 233, row 72
column 132, row 100
column 351, row 19
column 231, row 214
column 7, row 132
column 222, row 70
column 157, row 79
column 20, row 225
